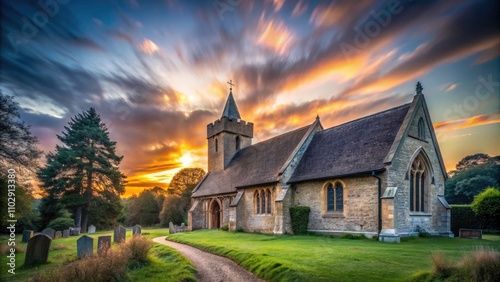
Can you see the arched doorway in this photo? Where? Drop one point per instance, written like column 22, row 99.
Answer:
column 215, row 214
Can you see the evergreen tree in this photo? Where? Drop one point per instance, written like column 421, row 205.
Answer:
column 84, row 169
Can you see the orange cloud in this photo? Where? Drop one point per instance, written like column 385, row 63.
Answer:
column 275, row 35
column 468, row 122
column 148, row 47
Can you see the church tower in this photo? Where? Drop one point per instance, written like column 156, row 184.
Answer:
column 227, row 135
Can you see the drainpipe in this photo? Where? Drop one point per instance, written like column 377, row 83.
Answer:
column 379, row 201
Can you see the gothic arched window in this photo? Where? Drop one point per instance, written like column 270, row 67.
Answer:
column 335, row 197
column 421, row 128
column 418, row 183
column 262, row 201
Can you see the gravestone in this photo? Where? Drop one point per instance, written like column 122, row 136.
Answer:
column 85, row 246
column 27, row 234
column 58, row 235
column 37, row 250
column 119, row 234
column 74, row 231
column 171, row 228
column 49, row 232
column 136, row 230
column 91, row 229
column 103, row 244
column 65, row 233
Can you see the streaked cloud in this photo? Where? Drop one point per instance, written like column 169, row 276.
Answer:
column 149, row 47
column 468, row 122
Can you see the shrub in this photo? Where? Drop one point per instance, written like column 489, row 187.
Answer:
column 422, row 232
column 61, row 223
column 240, row 229
column 108, row 267
column 138, row 248
column 486, row 206
column 462, row 216
column 481, row 265
column 224, row 227
column 300, row 219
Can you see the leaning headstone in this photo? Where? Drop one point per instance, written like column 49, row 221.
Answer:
column 171, row 228
column 65, row 233
column 85, row 246
column 91, row 229
column 74, row 231
column 119, row 234
column 103, row 244
column 58, row 235
column 136, row 230
column 37, row 250
column 49, row 232
column 27, row 234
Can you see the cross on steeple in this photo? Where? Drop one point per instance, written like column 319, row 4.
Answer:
column 230, row 82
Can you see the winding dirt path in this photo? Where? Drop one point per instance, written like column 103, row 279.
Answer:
column 211, row 268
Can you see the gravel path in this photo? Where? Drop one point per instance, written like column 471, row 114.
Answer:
column 210, row 267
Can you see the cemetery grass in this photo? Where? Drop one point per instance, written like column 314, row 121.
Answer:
column 162, row 260
column 322, row 258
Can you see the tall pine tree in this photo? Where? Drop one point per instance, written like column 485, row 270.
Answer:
column 85, row 169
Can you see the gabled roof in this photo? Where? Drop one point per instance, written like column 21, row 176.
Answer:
column 230, row 109
column 359, row 146
column 253, row 165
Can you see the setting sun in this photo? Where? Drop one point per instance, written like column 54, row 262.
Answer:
column 186, row 159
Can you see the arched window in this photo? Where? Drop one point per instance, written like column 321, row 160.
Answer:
column 268, row 201
column 262, row 201
column 421, row 128
column 216, row 145
column 335, row 197
column 257, row 202
column 418, row 182
column 238, row 145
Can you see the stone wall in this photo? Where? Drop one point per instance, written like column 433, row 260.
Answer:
column 406, row 222
column 246, row 213
column 360, row 212
column 226, row 149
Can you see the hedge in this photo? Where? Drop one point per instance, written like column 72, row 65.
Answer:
column 462, row 216
column 300, row 219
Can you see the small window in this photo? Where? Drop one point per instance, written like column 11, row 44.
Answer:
column 238, row 145
column 262, row 201
column 335, row 197
column 216, row 145
column 418, row 179
column 421, row 128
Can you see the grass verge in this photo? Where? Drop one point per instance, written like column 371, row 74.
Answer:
column 321, row 258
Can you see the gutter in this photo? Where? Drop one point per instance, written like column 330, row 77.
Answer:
column 379, row 201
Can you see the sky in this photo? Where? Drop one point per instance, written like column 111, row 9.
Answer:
column 157, row 71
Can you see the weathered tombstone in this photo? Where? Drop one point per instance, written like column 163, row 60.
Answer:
column 119, row 234
column 103, row 244
column 65, row 233
column 27, row 234
column 58, row 235
column 136, row 230
column 49, row 232
column 171, row 228
column 84, row 246
column 91, row 229
column 37, row 250
column 74, row 231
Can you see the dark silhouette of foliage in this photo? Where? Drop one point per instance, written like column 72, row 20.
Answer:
column 83, row 168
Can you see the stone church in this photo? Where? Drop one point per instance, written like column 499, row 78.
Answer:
column 382, row 175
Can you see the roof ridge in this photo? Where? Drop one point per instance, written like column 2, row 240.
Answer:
column 370, row 116
column 270, row 139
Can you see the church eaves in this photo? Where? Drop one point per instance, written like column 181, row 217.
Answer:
column 231, row 110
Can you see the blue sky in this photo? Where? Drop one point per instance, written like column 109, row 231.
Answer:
column 156, row 71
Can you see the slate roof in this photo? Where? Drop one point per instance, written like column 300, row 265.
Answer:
column 230, row 109
column 256, row 164
column 359, row 146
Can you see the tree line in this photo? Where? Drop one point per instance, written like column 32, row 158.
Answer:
column 81, row 182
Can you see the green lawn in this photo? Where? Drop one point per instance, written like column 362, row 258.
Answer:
column 319, row 258
column 165, row 264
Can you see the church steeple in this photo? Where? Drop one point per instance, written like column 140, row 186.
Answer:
column 231, row 110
